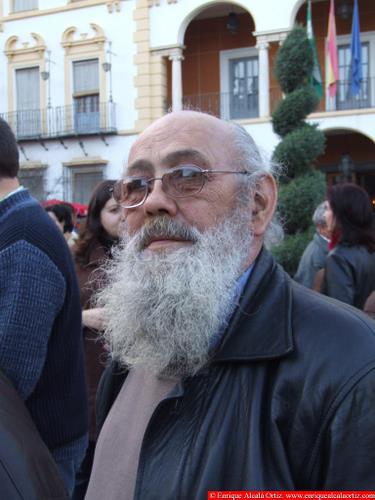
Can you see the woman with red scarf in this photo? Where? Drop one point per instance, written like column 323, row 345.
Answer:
column 350, row 266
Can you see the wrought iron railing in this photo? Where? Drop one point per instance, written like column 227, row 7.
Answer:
column 62, row 121
column 365, row 98
column 231, row 106
column 344, row 98
column 226, row 105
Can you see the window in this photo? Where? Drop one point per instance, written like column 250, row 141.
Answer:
column 344, row 97
column 28, row 102
column 239, row 75
column 33, row 180
column 21, row 5
column 243, row 85
column 80, row 180
column 86, row 96
column 366, row 97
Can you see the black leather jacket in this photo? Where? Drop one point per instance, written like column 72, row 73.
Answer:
column 287, row 402
column 349, row 274
column 27, row 469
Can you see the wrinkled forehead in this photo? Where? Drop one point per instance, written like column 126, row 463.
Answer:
column 194, row 139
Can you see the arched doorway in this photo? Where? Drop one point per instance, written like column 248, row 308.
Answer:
column 349, row 156
column 220, row 70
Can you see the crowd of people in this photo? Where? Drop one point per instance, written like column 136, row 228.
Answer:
column 161, row 352
column 340, row 260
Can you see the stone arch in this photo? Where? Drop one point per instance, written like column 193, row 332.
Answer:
column 209, row 3
column 327, row 129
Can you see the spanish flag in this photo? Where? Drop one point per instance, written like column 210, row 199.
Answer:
column 332, row 72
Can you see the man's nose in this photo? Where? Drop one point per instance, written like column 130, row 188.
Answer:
column 158, row 202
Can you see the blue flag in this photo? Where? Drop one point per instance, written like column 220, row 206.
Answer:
column 356, row 53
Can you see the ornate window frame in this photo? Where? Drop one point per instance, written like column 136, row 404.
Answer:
column 81, row 49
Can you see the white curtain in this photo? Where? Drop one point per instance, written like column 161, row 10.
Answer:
column 19, row 5
column 86, row 76
column 27, row 88
column 28, row 102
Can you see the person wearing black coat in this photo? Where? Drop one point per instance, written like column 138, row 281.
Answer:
column 27, row 469
column 349, row 273
column 225, row 373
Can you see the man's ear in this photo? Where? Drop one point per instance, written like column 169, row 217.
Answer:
column 264, row 203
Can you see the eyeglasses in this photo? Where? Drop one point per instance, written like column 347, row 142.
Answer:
column 180, row 182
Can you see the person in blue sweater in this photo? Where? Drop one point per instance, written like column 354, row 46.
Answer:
column 41, row 348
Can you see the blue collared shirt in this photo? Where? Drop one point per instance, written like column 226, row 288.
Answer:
column 238, row 289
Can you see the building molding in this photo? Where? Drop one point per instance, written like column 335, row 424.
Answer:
column 72, row 5
column 113, row 6
column 31, row 165
column 156, row 3
column 26, row 52
column 167, row 50
column 85, row 161
column 271, row 36
column 72, row 45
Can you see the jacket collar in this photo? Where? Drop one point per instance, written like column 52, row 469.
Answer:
column 261, row 326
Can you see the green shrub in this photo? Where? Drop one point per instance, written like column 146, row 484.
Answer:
column 297, row 151
column 298, row 200
column 294, row 61
column 288, row 254
column 291, row 111
column 302, row 187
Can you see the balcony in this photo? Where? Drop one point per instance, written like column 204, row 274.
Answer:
column 364, row 99
column 227, row 105
column 243, row 106
column 62, row 122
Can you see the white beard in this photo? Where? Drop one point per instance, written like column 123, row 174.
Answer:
column 164, row 308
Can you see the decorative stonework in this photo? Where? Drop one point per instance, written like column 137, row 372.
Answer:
column 114, row 6
column 270, row 36
column 27, row 52
column 156, row 3
column 84, row 43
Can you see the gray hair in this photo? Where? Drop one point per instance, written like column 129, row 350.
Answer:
column 319, row 216
column 248, row 157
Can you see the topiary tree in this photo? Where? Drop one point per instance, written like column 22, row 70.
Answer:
column 302, row 187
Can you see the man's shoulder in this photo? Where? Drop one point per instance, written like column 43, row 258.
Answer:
column 337, row 326
column 24, row 219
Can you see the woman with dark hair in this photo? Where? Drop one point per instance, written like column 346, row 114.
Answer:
column 350, row 265
column 98, row 235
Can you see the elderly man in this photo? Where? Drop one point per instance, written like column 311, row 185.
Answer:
column 226, row 374
column 314, row 257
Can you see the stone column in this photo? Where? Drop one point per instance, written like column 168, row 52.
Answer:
column 264, row 79
column 175, row 55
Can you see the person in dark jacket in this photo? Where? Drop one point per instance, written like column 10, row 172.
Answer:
column 41, row 348
column 349, row 273
column 62, row 217
column 98, row 236
column 314, row 257
column 27, row 469
column 225, row 374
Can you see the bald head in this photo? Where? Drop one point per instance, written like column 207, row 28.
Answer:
column 186, row 128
